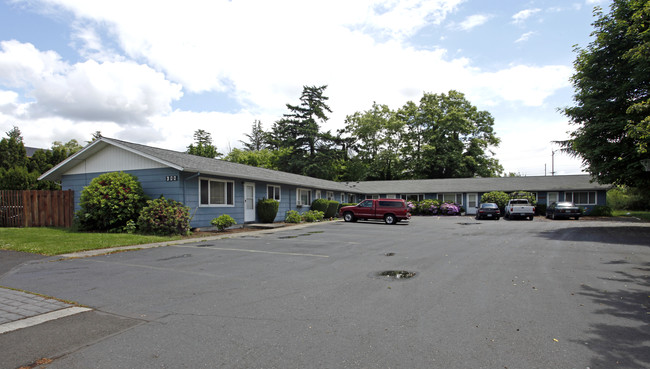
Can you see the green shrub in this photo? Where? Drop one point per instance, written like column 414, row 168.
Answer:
column 292, row 216
column 332, row 209
column 312, row 216
column 267, row 209
column 320, row 205
column 540, row 209
column 164, row 217
column 223, row 221
column 110, row 201
column 601, row 211
column 498, row 197
column 523, row 195
column 130, row 227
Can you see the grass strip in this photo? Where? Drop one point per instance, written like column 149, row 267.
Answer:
column 645, row 215
column 56, row 241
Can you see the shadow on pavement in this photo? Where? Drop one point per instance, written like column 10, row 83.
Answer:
column 624, row 345
column 625, row 235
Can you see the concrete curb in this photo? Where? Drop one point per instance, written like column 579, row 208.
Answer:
column 90, row 253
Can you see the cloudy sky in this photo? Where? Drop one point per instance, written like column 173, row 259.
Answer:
column 153, row 72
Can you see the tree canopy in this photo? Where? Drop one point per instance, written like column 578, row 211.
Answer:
column 444, row 136
column 203, row 146
column 612, row 101
column 19, row 172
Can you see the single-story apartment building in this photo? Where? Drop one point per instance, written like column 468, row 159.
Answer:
column 211, row 187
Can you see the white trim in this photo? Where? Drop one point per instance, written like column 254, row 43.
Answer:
column 472, row 210
column 298, row 199
column 441, row 197
column 587, row 203
column 226, row 205
column 249, row 213
column 275, row 187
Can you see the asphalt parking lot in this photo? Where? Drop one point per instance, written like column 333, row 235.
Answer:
column 485, row 294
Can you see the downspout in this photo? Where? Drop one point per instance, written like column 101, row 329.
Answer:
column 184, row 195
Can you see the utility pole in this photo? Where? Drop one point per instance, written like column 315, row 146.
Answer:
column 553, row 162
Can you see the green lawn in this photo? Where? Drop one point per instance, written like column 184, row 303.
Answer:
column 645, row 215
column 56, row 241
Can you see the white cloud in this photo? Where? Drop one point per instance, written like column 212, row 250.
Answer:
column 473, row 21
column 521, row 16
column 524, row 37
column 258, row 52
column 124, row 92
column 528, row 85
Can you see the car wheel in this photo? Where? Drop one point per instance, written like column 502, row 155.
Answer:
column 577, row 218
column 348, row 217
column 532, row 217
column 553, row 216
column 390, row 219
column 497, row 218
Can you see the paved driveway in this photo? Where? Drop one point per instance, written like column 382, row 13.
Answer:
column 486, row 294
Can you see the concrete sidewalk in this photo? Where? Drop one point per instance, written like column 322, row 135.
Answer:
column 21, row 309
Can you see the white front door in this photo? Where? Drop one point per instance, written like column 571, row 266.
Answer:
column 249, row 202
column 472, row 203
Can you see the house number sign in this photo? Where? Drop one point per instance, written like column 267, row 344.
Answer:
column 171, row 178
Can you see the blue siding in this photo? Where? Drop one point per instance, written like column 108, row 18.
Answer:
column 152, row 181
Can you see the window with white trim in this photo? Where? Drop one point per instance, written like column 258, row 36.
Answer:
column 413, row 197
column 318, row 195
column 372, row 196
column 581, row 197
column 551, row 197
column 330, row 195
column 456, row 198
column 303, row 196
column 342, row 197
column 273, row 192
column 214, row 192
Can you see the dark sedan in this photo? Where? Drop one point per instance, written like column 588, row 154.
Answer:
column 563, row 210
column 488, row 210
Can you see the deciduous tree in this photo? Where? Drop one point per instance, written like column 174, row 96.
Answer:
column 612, row 96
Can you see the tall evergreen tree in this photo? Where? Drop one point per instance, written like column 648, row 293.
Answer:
column 256, row 139
column 299, row 131
column 12, row 150
column 203, row 146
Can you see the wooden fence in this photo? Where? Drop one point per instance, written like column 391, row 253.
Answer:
column 36, row 208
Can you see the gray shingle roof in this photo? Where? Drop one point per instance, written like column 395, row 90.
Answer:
column 197, row 164
column 506, row 184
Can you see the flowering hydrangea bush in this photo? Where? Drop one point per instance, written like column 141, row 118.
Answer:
column 449, row 209
column 428, row 207
column 433, row 207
